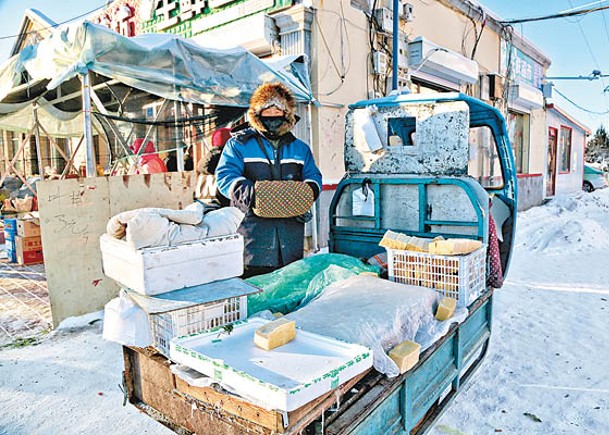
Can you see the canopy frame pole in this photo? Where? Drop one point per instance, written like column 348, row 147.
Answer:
column 100, row 106
column 151, row 126
column 178, row 145
column 11, row 162
column 86, row 108
column 71, row 161
column 314, row 227
column 37, row 137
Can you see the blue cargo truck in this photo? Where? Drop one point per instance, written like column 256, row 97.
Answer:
column 437, row 165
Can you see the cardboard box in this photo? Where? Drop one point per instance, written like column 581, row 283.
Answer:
column 28, row 228
column 28, row 250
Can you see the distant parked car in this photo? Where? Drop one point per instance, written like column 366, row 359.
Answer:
column 594, row 179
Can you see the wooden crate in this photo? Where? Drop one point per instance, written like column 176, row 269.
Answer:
column 153, row 388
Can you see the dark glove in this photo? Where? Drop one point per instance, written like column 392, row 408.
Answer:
column 304, row 218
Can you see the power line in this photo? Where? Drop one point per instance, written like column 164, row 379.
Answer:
column 581, row 30
column 554, row 16
column 55, row 25
column 578, row 106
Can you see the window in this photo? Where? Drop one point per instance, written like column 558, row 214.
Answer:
column 564, row 150
column 484, row 164
column 518, row 129
column 401, row 131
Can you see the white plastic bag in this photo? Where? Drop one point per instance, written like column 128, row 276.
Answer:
column 363, row 201
column 378, row 314
column 126, row 323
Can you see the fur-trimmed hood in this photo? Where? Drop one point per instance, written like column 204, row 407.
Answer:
column 268, row 95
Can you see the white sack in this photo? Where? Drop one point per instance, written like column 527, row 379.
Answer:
column 223, row 221
column 126, row 323
column 152, row 227
column 376, row 313
column 117, row 224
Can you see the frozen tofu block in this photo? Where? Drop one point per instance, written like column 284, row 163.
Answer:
column 275, row 334
column 393, row 240
column 369, row 274
column 446, row 308
column 405, row 355
column 454, row 246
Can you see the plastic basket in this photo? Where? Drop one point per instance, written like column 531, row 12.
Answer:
column 190, row 320
column 462, row 277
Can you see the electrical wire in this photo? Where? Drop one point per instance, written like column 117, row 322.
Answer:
column 581, row 30
column 578, row 106
column 55, row 25
column 554, row 16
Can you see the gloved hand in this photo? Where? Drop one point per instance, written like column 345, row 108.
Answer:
column 304, row 218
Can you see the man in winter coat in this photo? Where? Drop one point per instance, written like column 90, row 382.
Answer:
column 267, row 150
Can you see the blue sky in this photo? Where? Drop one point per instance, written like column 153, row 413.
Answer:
column 12, row 12
column 576, row 46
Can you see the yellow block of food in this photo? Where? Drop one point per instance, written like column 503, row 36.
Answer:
column 405, row 355
column 454, row 246
column 277, row 315
column 369, row 274
column 393, row 240
column 446, row 308
column 275, row 334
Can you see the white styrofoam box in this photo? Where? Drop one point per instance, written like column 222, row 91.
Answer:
column 284, row 378
column 152, row 271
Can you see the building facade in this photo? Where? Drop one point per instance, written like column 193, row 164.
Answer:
column 445, row 45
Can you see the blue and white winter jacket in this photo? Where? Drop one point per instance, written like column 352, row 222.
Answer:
column 268, row 242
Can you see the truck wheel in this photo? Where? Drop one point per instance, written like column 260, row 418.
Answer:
column 588, row 186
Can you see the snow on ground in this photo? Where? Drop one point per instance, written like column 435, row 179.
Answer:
column 545, row 372
column 549, row 353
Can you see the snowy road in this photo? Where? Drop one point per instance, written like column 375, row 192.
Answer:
column 545, row 373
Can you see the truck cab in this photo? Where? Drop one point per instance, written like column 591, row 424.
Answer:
column 437, row 165
column 433, row 165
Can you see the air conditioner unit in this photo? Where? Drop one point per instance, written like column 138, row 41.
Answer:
column 526, row 96
column 495, row 87
column 429, row 58
column 259, row 39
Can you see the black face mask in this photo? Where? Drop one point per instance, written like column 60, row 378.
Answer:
column 272, row 124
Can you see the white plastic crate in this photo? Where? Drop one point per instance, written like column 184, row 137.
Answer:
column 199, row 318
column 462, row 277
column 193, row 309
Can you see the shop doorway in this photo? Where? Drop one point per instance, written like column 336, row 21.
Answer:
column 551, row 171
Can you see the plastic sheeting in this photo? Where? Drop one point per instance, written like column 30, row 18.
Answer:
column 300, row 282
column 376, row 313
column 164, row 65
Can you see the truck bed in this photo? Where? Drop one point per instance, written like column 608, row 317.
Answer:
column 369, row 403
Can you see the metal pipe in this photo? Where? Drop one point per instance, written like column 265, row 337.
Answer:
column 314, row 232
column 37, row 136
column 394, row 56
column 178, row 135
column 88, row 134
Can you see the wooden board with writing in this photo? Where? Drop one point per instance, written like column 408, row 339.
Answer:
column 73, row 215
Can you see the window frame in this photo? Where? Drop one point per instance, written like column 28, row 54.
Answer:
column 494, row 137
column 560, row 149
